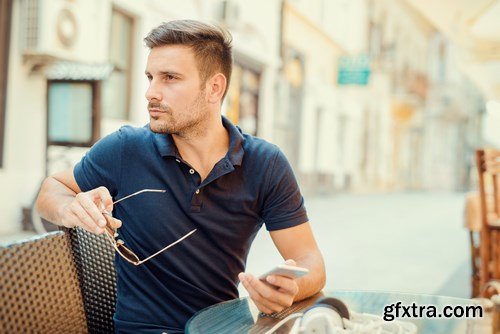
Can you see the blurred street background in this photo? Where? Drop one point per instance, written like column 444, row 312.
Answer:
column 378, row 105
column 402, row 242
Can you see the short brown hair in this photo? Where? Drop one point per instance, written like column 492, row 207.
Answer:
column 211, row 45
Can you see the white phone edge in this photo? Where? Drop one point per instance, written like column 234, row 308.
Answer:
column 286, row 270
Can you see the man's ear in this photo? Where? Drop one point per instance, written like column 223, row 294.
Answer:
column 215, row 88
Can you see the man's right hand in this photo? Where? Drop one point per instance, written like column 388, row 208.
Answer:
column 86, row 210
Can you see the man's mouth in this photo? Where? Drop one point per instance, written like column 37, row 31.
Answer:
column 156, row 112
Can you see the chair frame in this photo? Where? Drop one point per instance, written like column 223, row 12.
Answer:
column 488, row 167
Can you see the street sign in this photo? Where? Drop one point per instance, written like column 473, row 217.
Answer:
column 354, row 70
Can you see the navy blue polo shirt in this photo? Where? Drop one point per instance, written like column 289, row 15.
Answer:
column 252, row 185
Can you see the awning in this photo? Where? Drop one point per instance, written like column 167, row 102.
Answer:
column 474, row 26
column 64, row 70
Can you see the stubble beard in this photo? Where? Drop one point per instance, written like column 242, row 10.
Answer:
column 191, row 126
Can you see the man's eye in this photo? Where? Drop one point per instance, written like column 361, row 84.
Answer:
column 170, row 77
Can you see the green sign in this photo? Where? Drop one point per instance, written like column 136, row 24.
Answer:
column 354, row 70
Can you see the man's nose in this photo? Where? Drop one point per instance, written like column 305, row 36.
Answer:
column 153, row 92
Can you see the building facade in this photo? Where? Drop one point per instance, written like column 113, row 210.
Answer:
column 75, row 73
column 433, row 110
column 361, row 95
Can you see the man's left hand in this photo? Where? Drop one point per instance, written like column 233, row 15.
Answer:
column 272, row 295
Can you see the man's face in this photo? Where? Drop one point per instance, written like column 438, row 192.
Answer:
column 176, row 103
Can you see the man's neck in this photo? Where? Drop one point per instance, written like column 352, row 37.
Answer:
column 205, row 148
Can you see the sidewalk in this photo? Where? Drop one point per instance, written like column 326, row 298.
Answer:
column 406, row 242
column 9, row 238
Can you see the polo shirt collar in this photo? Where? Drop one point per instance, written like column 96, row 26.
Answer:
column 166, row 145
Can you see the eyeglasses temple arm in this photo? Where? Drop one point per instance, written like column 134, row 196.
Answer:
column 164, row 249
column 136, row 193
column 140, row 192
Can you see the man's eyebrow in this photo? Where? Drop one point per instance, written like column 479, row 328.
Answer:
column 170, row 73
column 165, row 73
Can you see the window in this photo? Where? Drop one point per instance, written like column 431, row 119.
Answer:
column 116, row 89
column 5, row 20
column 72, row 113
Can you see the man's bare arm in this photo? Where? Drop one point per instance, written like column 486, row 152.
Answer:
column 61, row 202
column 297, row 245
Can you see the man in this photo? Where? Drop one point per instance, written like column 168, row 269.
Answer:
column 217, row 180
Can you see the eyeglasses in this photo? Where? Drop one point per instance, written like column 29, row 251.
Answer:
column 119, row 245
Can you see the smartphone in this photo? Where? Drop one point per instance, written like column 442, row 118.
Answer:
column 285, row 270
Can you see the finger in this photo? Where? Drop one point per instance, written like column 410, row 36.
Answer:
column 72, row 219
column 271, row 296
column 84, row 218
column 69, row 219
column 105, row 198
column 261, row 307
column 257, row 299
column 108, row 229
column 291, row 262
column 266, row 306
column 284, row 283
column 90, row 207
column 116, row 223
column 270, row 293
column 112, row 222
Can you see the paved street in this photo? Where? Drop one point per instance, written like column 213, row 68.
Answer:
column 407, row 242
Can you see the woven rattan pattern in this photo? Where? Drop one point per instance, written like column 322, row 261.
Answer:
column 94, row 258
column 39, row 289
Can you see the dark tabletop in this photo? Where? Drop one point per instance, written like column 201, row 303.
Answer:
column 241, row 316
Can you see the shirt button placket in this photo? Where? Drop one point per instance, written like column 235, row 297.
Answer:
column 196, row 201
column 191, row 171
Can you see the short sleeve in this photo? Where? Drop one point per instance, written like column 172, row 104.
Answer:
column 101, row 165
column 283, row 202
